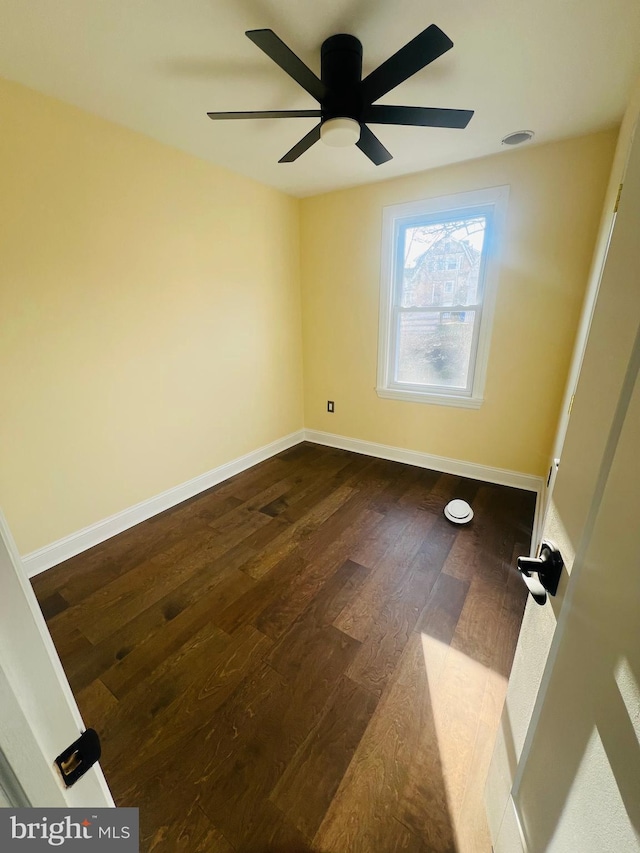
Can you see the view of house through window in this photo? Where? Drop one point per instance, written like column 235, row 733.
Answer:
column 441, row 267
column 438, row 287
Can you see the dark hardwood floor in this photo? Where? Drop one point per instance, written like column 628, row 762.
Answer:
column 307, row 657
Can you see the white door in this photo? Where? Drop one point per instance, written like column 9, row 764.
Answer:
column 557, row 766
column 39, row 717
column 578, row 787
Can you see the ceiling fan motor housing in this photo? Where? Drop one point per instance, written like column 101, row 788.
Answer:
column 347, row 103
column 341, row 72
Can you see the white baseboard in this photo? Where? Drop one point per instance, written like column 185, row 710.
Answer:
column 49, row 556
column 61, row 550
column 500, row 476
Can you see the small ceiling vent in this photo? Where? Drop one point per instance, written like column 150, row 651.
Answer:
column 518, row 137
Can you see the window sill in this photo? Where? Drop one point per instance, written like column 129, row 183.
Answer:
column 433, row 399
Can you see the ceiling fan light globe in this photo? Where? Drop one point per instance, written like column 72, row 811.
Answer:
column 340, row 132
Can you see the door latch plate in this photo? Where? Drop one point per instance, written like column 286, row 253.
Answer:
column 83, row 753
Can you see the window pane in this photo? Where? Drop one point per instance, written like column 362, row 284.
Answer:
column 436, row 253
column 434, row 348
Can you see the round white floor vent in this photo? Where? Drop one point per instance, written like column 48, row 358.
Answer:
column 458, row 511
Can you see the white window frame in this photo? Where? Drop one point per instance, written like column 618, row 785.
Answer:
column 490, row 202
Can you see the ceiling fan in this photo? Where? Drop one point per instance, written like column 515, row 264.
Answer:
column 346, row 100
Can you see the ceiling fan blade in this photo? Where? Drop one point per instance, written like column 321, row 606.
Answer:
column 268, row 114
column 300, row 147
column 421, row 116
column 370, row 145
column 420, row 51
column 283, row 56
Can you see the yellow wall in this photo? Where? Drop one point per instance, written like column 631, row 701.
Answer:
column 151, row 320
column 149, row 316
column 555, row 204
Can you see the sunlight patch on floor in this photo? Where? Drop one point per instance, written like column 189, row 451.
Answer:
column 467, row 700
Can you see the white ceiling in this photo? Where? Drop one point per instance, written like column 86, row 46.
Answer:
column 558, row 67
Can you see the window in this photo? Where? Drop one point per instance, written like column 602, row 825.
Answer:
column 428, row 354
column 447, row 293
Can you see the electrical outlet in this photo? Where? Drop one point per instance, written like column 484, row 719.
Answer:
column 330, row 406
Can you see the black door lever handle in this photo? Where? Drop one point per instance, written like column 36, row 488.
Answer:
column 548, row 566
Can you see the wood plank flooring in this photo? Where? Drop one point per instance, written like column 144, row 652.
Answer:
column 307, row 657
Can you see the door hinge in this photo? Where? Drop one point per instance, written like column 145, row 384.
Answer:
column 617, row 204
column 83, row 753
